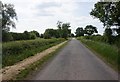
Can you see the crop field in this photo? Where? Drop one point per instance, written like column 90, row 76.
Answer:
column 13, row 52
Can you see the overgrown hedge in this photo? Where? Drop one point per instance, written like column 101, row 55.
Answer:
column 12, row 36
column 104, row 39
column 16, row 51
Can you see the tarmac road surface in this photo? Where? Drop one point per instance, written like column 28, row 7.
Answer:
column 76, row 62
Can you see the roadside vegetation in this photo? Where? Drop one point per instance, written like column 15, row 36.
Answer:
column 16, row 51
column 27, row 73
column 108, row 44
column 18, row 46
column 107, row 52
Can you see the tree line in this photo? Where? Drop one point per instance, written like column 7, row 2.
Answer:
column 88, row 30
column 9, row 15
column 107, row 12
column 63, row 31
column 12, row 36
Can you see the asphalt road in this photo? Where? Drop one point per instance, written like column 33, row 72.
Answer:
column 76, row 62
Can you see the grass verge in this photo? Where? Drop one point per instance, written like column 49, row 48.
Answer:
column 106, row 52
column 37, row 65
column 17, row 51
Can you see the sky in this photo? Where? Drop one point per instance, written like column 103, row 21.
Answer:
column 43, row 14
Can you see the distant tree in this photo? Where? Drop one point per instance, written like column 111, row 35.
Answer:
column 36, row 33
column 33, row 36
column 79, row 31
column 49, row 33
column 63, row 29
column 59, row 25
column 89, row 30
column 8, row 15
column 27, row 35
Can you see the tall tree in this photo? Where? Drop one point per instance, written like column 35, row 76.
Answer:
column 8, row 15
column 108, row 13
column 59, row 25
column 79, row 31
column 63, row 29
column 89, row 30
column 36, row 33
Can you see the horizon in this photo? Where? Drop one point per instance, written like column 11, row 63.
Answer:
column 42, row 14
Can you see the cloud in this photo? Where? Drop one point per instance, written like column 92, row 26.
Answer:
column 48, row 5
column 42, row 14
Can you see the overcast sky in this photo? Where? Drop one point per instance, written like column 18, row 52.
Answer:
column 42, row 14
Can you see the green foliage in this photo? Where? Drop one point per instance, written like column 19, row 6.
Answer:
column 79, row 32
column 36, row 33
column 16, row 51
column 18, row 36
column 63, row 29
column 33, row 36
column 108, row 34
column 89, row 29
column 6, row 36
column 108, row 13
column 37, row 65
column 11, row 36
column 106, row 51
column 8, row 14
column 49, row 33
column 103, row 38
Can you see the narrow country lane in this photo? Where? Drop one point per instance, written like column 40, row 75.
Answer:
column 76, row 62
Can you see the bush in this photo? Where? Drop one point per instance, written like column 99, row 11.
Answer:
column 6, row 36
column 32, row 36
column 103, row 38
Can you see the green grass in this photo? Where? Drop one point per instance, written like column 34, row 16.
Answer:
column 16, row 51
column 107, row 52
column 37, row 65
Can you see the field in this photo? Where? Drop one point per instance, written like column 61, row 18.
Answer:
column 16, row 51
column 107, row 52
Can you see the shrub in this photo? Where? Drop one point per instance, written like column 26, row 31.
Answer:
column 6, row 36
column 32, row 36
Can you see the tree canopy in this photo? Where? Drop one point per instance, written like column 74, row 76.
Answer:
column 63, row 29
column 79, row 31
column 8, row 15
column 108, row 13
column 89, row 30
